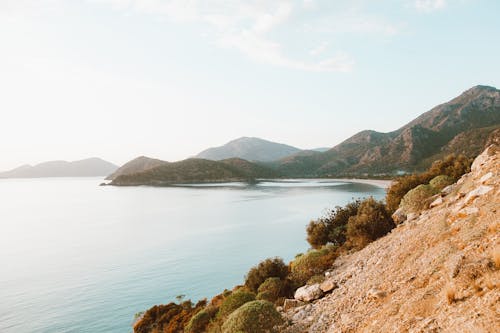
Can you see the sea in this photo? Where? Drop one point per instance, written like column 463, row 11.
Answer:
column 79, row 257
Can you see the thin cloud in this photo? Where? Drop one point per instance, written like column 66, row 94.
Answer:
column 429, row 5
column 241, row 25
column 318, row 49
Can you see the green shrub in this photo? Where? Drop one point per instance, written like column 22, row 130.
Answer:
column 371, row 222
column 234, row 301
column 253, row 317
column 416, row 199
column 272, row 289
column 316, row 279
column 331, row 228
column 168, row 318
column 199, row 322
column 271, row 267
column 452, row 166
column 312, row 263
column 441, row 181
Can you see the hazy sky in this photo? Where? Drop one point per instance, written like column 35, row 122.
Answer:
column 169, row 78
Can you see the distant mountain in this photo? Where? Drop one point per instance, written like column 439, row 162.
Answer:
column 250, row 149
column 139, row 164
column 321, row 149
column 91, row 167
column 195, row 170
column 461, row 125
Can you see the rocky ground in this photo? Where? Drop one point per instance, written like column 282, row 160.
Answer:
column 436, row 272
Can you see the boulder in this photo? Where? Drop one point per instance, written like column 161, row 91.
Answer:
column 399, row 216
column 328, row 285
column 309, row 293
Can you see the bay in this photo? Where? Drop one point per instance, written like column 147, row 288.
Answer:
column 77, row 257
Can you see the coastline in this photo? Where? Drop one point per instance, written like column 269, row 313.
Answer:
column 375, row 182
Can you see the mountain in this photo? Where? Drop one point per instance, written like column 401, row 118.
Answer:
column 251, row 149
column 461, row 125
column 139, row 164
column 90, row 167
column 196, row 170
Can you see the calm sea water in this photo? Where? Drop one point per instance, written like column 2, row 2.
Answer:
column 76, row 257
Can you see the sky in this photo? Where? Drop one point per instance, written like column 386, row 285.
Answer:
column 117, row 79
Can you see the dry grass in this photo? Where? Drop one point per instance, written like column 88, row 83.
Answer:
column 488, row 281
column 450, row 293
column 495, row 256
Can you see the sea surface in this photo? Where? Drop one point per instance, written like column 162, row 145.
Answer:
column 78, row 257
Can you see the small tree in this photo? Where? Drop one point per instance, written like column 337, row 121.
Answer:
column 370, row 223
column 271, row 267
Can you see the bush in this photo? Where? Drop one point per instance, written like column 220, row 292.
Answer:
column 452, row 166
column 199, row 322
column 272, row 289
column 312, row 263
column 370, row 223
column 234, row 301
column 441, row 181
column 168, row 318
column 253, row 317
column 416, row 199
column 332, row 228
column 271, row 267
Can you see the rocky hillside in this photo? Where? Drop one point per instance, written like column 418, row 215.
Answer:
column 436, row 272
column 195, row 170
column 251, row 149
column 139, row 164
column 90, row 167
column 461, row 125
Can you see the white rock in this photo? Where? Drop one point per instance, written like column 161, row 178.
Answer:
column 399, row 216
column 469, row 210
column 412, row 216
column 375, row 293
column 486, row 177
column 448, row 189
column 308, row 293
column 480, row 161
column 436, row 202
column 481, row 190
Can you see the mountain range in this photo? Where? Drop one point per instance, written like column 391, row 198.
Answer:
column 90, row 167
column 462, row 125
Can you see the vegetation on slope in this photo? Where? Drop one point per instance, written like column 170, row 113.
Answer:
column 196, row 171
column 344, row 229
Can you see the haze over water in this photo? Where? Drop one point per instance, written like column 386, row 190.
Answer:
column 76, row 257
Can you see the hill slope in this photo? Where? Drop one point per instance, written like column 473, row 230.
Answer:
column 251, row 149
column 91, row 167
column 139, row 164
column 195, row 170
column 470, row 118
column 439, row 272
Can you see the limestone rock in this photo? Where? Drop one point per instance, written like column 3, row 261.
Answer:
column 308, row 293
column 328, row 285
column 399, row 216
column 481, row 190
column 436, row 202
